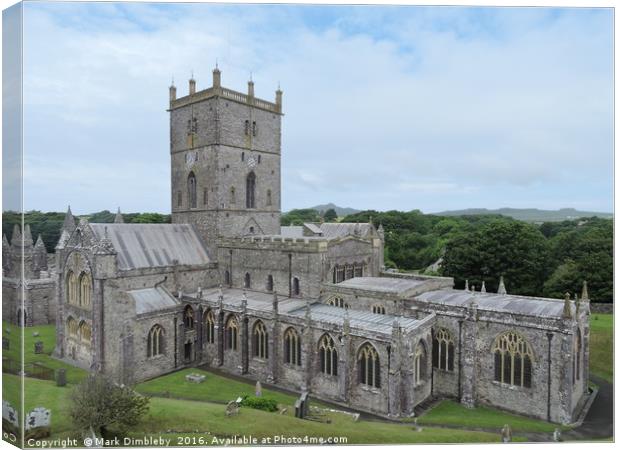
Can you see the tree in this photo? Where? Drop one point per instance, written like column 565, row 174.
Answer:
column 107, row 407
column 330, row 215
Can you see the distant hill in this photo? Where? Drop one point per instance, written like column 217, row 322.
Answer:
column 530, row 214
column 339, row 210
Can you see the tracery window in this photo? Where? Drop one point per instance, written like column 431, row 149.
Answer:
column 443, row 350
column 72, row 289
column 250, row 191
column 378, row 309
column 155, row 341
column 247, row 281
column 419, row 364
column 188, row 318
column 209, row 327
column 296, row 289
column 269, row 283
column 260, row 340
column 337, row 301
column 191, row 189
column 369, row 368
column 72, row 327
column 232, row 333
column 85, row 289
column 292, row 347
column 513, row 360
column 84, row 333
column 328, row 356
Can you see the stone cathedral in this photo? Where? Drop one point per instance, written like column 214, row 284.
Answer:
column 308, row 308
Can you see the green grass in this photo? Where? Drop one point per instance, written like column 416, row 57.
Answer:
column 450, row 413
column 215, row 388
column 47, row 334
column 601, row 346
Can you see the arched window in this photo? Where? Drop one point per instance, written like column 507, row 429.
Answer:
column 84, row 333
column 232, row 196
column 338, row 274
column 337, row 301
column 419, row 364
column 191, row 189
column 269, row 197
column 209, row 327
column 443, row 350
column 247, row 282
column 72, row 327
column 378, row 309
column 259, row 337
column 368, row 366
column 269, row 283
column 227, row 278
column 188, row 318
column 155, row 341
column 328, row 356
column 232, row 333
column 71, row 288
column 250, row 191
column 292, row 347
column 296, row 289
column 577, row 359
column 85, row 289
column 513, row 360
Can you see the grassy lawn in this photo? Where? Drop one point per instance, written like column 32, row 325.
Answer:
column 215, row 388
column 450, row 413
column 47, row 334
column 601, row 346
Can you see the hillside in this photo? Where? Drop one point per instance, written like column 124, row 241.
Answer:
column 529, row 214
column 341, row 211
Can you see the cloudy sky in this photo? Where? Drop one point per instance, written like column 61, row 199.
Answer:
column 386, row 107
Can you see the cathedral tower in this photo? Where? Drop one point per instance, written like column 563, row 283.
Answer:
column 225, row 159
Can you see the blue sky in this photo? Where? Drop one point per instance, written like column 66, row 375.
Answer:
column 404, row 108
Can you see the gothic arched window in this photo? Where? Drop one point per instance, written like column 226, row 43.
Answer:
column 232, row 333
column 292, row 347
column 269, row 283
column 85, row 289
column 72, row 327
column 513, row 360
column 250, row 191
column 188, row 318
column 71, row 288
column 84, row 333
column 259, row 337
column 328, row 356
column 296, row 288
column 337, row 301
column 191, row 189
column 378, row 309
column 443, row 350
column 155, row 341
column 369, row 369
column 247, row 282
column 419, row 364
column 209, row 327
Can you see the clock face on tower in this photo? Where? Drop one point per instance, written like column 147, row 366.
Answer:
column 251, row 162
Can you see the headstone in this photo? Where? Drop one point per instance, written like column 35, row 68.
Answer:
column 35, row 334
column 283, row 411
column 9, row 414
column 506, row 434
column 38, row 418
column 6, row 343
column 232, row 409
column 61, row 377
column 259, row 389
column 38, row 347
column 299, row 410
column 305, row 402
column 557, row 435
column 195, row 378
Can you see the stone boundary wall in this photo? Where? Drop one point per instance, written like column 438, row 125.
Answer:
column 602, row 308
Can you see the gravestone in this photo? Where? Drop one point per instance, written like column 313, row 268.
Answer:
column 6, row 343
column 38, row 347
column 299, row 409
column 61, row 377
column 305, row 401
column 35, row 334
column 195, row 378
column 506, row 434
column 38, row 423
column 557, row 435
column 9, row 413
column 259, row 389
column 232, row 409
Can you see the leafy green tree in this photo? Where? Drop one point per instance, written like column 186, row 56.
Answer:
column 330, row 215
column 108, row 408
column 300, row 216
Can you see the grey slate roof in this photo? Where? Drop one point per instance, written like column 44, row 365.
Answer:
column 529, row 306
column 383, row 284
column 153, row 245
column 339, row 230
column 152, row 299
column 292, row 231
column 257, row 301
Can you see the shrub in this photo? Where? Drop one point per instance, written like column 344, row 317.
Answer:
column 265, row 404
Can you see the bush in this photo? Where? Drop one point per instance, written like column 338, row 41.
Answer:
column 265, row 404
